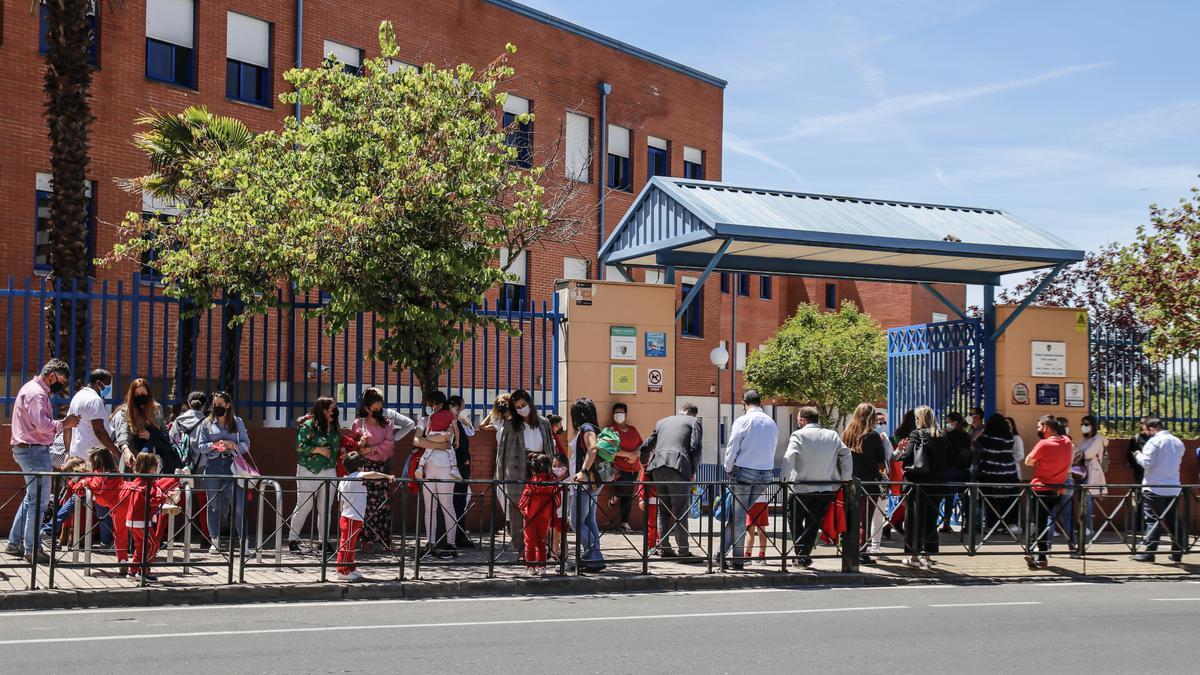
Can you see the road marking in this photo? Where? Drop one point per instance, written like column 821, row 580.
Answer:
column 454, row 624
column 1175, row 599
column 986, row 604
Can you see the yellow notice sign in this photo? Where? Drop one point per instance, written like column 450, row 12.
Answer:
column 1081, row 322
column 622, row 379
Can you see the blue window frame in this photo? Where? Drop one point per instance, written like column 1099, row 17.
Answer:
column 247, row 82
column 44, row 45
column 743, row 284
column 691, row 324
column 656, row 162
column 519, row 136
column 619, row 173
column 764, row 287
column 693, row 170
column 512, row 298
column 830, row 296
column 41, row 236
column 166, row 62
column 724, row 282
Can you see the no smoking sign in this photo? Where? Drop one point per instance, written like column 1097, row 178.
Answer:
column 654, row 380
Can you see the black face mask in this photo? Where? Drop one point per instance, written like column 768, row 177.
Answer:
column 502, row 409
column 58, row 387
column 378, row 415
column 219, row 410
column 141, row 399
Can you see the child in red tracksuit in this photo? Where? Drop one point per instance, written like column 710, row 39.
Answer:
column 353, row 495
column 135, row 493
column 559, row 467
column 106, row 493
column 537, row 506
column 647, row 500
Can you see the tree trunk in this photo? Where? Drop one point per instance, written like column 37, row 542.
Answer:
column 231, row 347
column 429, row 377
column 67, row 82
column 185, row 357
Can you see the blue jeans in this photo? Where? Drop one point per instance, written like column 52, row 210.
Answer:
column 749, row 485
column 25, row 524
column 61, row 515
column 586, row 528
column 224, row 492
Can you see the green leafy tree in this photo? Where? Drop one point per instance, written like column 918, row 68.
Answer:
column 392, row 195
column 68, row 81
column 833, row 360
column 1158, row 277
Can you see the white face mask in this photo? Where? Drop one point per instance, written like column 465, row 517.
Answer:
column 1087, row 428
column 619, row 418
column 428, row 410
column 560, row 472
column 881, row 428
column 523, row 411
column 1067, row 431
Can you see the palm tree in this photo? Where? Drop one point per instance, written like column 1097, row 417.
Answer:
column 170, row 141
column 68, row 80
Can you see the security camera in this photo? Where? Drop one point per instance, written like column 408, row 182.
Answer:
column 318, row 368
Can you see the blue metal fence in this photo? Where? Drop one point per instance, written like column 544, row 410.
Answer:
column 935, row 364
column 285, row 358
column 1127, row 385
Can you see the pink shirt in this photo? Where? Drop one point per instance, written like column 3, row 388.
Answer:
column 379, row 444
column 33, row 420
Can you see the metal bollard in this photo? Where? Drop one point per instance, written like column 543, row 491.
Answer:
column 76, row 524
column 87, row 533
column 187, row 526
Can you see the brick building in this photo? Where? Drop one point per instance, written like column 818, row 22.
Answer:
column 658, row 117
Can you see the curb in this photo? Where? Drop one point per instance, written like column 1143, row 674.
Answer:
column 160, row 596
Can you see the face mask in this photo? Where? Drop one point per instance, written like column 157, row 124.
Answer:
column 1087, row 428
column 502, row 409
column 428, row 410
column 949, row 426
column 58, row 387
column 142, row 399
column 219, row 410
column 619, row 418
column 560, row 472
column 378, row 415
column 1067, row 431
column 106, row 392
column 881, row 428
column 523, row 411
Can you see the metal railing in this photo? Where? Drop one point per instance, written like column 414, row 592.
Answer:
column 698, row 524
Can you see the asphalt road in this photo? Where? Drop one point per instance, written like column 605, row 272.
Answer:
column 1021, row 628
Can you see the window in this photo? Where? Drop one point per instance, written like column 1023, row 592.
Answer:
column 831, row 296
column 724, row 282
column 574, row 268
column 619, row 171
column 939, row 317
column 693, row 163
column 739, row 356
column 44, row 44
column 764, row 287
column 41, row 246
column 248, row 59
column 692, row 322
column 160, row 209
column 743, row 284
column 349, row 57
column 396, row 65
column 512, row 294
column 518, row 134
column 578, row 160
column 656, row 158
column 170, row 31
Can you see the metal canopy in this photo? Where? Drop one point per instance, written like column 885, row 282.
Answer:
column 678, row 223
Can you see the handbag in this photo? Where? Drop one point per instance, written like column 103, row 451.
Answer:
column 920, row 453
column 245, row 466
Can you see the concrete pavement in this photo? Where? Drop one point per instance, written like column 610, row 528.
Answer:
column 1146, row 627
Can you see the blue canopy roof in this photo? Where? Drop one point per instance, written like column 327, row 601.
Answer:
column 683, row 223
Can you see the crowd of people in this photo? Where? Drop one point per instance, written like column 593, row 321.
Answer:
column 911, row 481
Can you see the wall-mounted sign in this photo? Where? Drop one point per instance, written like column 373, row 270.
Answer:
column 622, row 343
column 583, row 294
column 1049, row 359
column 656, row 343
column 1081, row 321
column 654, row 380
column 1047, row 394
column 1074, row 394
column 1020, row 394
column 622, row 379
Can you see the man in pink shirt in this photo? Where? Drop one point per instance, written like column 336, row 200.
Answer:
column 33, row 430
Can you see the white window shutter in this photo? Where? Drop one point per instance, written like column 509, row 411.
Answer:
column 350, row 56
column 517, row 267
column 574, row 268
column 516, row 105
column 655, row 142
column 578, row 147
column 171, row 21
column 693, row 155
column 618, row 141
column 248, row 40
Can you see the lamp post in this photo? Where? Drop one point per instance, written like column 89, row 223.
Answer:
column 719, row 356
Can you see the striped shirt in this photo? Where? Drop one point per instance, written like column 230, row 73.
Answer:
column 996, row 464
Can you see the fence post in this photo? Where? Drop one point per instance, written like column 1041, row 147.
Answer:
column 850, row 540
column 709, row 554
column 784, row 515
column 645, row 527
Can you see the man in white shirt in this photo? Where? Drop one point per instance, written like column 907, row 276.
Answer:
column 1160, row 457
column 89, row 404
column 750, row 463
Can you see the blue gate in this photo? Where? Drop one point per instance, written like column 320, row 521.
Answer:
column 940, row 365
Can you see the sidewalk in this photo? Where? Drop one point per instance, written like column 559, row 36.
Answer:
column 298, row 578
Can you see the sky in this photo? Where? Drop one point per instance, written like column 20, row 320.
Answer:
column 1072, row 116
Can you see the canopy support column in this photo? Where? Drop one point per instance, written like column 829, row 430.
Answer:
column 712, row 264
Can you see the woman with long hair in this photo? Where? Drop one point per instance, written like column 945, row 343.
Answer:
column 222, row 437
column 896, row 504
column 994, row 457
column 137, row 421
column 372, row 431
column 526, row 431
column 870, row 467
column 583, row 445
column 925, row 457
column 1094, row 448
column 318, row 442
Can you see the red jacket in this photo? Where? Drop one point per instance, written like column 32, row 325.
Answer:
column 106, row 490
column 538, row 500
column 133, row 494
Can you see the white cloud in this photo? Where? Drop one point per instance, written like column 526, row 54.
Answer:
column 1161, row 123
column 740, row 147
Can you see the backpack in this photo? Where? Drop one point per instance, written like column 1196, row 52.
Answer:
column 607, row 444
column 187, row 447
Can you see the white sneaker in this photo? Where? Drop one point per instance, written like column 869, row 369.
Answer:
column 874, row 550
column 352, row 577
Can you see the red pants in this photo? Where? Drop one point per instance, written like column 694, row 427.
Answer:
column 348, row 531
column 120, row 536
column 537, row 529
column 139, row 555
column 652, row 519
